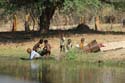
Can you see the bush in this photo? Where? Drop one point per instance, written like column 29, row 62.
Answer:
column 71, row 54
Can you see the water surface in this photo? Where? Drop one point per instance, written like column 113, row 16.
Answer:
column 14, row 71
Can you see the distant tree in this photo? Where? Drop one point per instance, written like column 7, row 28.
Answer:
column 118, row 4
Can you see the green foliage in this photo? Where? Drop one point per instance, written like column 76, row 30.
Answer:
column 119, row 5
column 71, row 54
column 69, row 6
column 79, row 6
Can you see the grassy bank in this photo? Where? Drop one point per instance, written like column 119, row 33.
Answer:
column 94, row 58
column 17, row 50
column 73, row 56
column 13, row 51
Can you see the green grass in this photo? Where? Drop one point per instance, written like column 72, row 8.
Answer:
column 78, row 55
column 72, row 56
column 13, row 52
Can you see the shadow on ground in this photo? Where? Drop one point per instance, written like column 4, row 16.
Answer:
column 22, row 36
column 81, row 29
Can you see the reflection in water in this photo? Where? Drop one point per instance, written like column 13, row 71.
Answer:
column 34, row 67
column 38, row 72
column 107, row 76
column 8, row 79
column 46, row 73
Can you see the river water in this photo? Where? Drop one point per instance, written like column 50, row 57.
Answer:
column 54, row 72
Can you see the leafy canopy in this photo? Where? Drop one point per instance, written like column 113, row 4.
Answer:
column 66, row 6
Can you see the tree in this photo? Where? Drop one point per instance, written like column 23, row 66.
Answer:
column 44, row 9
column 118, row 4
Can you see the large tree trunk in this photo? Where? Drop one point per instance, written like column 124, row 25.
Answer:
column 46, row 17
column 44, row 23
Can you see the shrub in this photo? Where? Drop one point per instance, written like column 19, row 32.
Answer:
column 71, row 54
